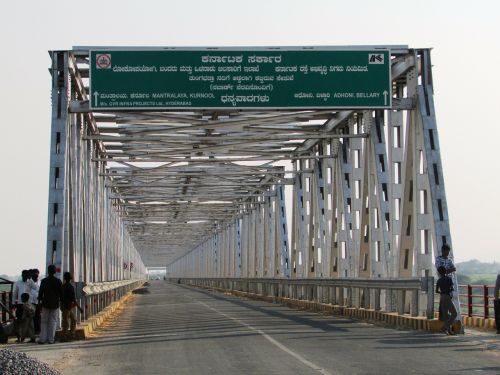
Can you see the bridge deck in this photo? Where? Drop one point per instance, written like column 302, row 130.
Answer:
column 179, row 330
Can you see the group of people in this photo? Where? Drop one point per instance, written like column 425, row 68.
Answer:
column 37, row 306
column 445, row 288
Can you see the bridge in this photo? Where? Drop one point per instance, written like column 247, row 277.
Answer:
column 310, row 177
column 349, row 188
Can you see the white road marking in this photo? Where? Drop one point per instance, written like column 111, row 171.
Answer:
column 271, row 340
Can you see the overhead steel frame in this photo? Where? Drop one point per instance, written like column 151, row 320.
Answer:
column 202, row 191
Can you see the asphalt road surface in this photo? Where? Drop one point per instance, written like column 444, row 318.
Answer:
column 174, row 329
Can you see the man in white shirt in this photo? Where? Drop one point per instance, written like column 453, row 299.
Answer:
column 34, row 298
column 25, row 285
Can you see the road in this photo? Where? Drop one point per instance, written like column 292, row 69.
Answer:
column 174, row 329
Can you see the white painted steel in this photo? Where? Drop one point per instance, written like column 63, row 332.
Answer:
column 202, row 192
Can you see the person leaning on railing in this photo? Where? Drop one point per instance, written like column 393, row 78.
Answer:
column 497, row 304
column 447, row 311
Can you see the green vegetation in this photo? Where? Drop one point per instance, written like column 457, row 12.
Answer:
column 4, row 288
column 477, row 273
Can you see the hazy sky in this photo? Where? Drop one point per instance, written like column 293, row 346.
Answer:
column 466, row 58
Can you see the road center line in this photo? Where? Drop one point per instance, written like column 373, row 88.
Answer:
column 271, row 340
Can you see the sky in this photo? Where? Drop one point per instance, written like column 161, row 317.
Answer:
column 466, row 57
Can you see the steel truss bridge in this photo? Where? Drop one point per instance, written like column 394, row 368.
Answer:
column 248, row 194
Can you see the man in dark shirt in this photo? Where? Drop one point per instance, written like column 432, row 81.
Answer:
column 49, row 296
column 68, row 308
column 448, row 313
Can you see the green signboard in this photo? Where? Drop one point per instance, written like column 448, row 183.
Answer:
column 239, row 79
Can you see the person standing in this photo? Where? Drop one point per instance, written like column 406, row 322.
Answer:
column 26, row 326
column 444, row 261
column 34, row 298
column 497, row 304
column 49, row 296
column 25, row 285
column 68, row 305
column 448, row 313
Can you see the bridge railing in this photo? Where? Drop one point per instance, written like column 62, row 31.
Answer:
column 391, row 295
column 95, row 297
column 478, row 299
column 6, row 298
column 91, row 297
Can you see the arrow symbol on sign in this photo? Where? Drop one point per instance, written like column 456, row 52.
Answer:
column 96, row 95
column 385, row 97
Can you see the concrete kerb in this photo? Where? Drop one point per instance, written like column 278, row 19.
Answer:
column 477, row 322
column 87, row 327
column 392, row 319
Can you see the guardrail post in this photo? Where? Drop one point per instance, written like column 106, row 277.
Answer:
column 400, row 301
column 414, row 303
column 486, row 302
column 430, row 297
column 366, row 298
column 356, row 297
column 390, row 303
column 376, row 302
column 469, row 300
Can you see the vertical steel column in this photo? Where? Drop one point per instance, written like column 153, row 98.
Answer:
column 308, row 252
column 348, row 265
column 328, row 170
column 360, row 159
column 58, row 179
column 238, row 248
column 336, row 203
column 269, row 237
column 216, row 255
column 260, row 245
column 299, row 222
column 319, row 214
column 284, row 246
column 252, row 242
column 244, row 245
column 433, row 167
column 381, row 202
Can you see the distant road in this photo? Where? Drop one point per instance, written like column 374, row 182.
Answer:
column 179, row 330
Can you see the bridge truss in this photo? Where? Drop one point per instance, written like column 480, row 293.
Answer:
column 246, row 194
